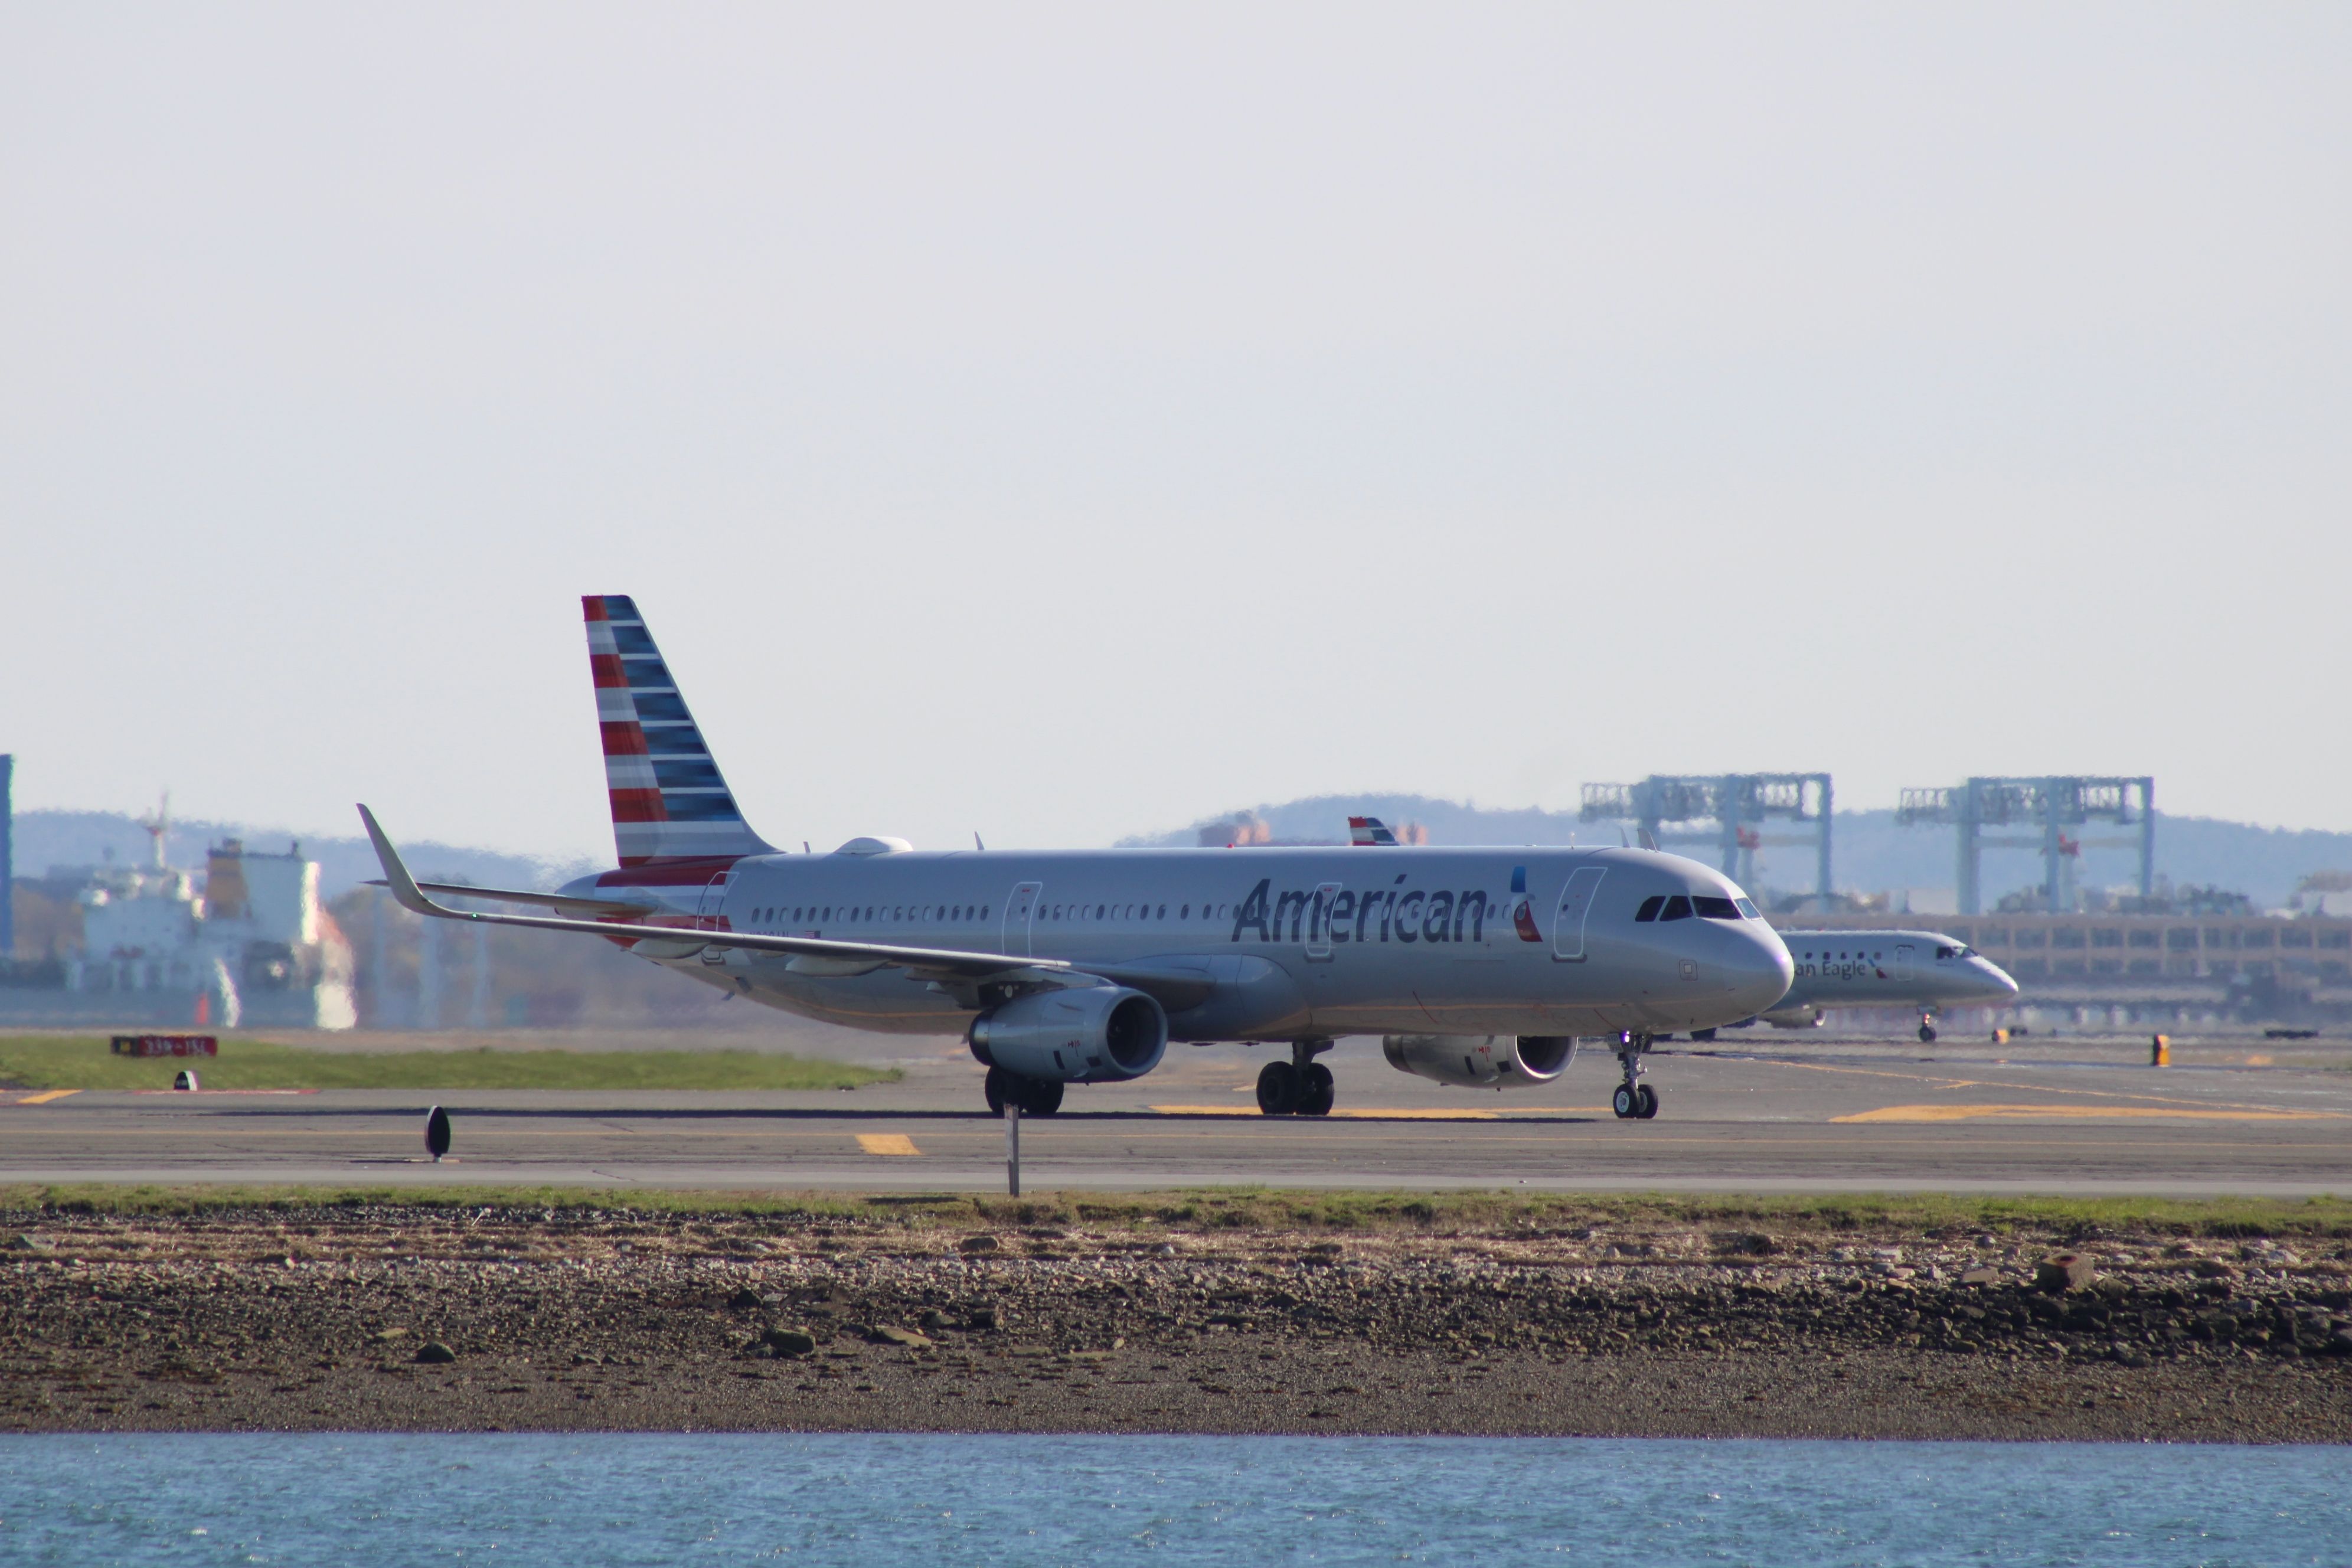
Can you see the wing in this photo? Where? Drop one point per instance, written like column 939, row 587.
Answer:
column 1175, row 990
column 573, row 906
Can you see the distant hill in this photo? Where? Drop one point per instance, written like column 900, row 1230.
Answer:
column 65, row 839
column 1870, row 853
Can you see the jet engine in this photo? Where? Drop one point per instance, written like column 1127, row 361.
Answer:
column 1482, row 1061
column 1090, row 1034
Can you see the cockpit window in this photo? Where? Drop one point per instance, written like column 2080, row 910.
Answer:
column 1677, row 908
column 1650, row 907
column 1748, row 908
column 1716, row 909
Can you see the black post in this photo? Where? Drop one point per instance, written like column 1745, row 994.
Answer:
column 1012, row 1147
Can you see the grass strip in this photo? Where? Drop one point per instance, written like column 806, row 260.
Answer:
column 55, row 1061
column 1246, row 1209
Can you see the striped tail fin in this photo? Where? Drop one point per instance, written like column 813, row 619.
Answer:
column 669, row 802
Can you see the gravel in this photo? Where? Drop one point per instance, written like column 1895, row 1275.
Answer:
column 417, row 1319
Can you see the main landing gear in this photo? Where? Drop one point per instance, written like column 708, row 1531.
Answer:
column 1635, row 1100
column 1035, row 1096
column 1926, row 1027
column 1299, row 1086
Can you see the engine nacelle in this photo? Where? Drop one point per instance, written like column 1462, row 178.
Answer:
column 1482, row 1061
column 1803, row 1016
column 1091, row 1033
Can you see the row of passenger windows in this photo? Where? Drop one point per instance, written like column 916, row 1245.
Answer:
column 1119, row 912
column 1661, row 907
column 956, row 913
column 815, row 912
column 1944, row 952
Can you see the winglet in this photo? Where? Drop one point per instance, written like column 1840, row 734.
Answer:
column 404, row 890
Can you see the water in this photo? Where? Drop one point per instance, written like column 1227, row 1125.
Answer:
column 626, row 1500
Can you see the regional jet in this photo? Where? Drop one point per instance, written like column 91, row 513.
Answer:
column 1478, row 967
column 1923, row 970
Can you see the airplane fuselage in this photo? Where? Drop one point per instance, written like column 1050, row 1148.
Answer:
column 1921, row 969
column 1290, row 943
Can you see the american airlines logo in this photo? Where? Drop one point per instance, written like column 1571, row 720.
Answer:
column 1334, row 914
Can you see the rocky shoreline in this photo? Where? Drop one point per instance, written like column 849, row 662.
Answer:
column 424, row 1318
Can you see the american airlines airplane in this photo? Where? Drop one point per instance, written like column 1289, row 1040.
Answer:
column 1921, row 969
column 1478, row 967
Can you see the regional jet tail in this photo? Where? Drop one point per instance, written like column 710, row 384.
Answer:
column 1923, row 970
column 1478, row 967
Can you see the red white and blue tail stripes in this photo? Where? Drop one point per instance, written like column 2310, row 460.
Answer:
column 669, row 802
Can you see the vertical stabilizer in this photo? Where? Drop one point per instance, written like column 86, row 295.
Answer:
column 669, row 802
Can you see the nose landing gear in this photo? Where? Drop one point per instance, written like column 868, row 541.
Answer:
column 1926, row 1027
column 1299, row 1086
column 1635, row 1100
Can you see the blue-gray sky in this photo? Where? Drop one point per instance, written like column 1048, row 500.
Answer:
column 1063, row 422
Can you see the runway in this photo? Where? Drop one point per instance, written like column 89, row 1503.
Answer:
column 1750, row 1116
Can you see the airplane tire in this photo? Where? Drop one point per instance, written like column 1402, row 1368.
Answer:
column 1625, row 1102
column 1926, row 1034
column 997, row 1088
column 1702, row 1035
column 1316, row 1091
column 1649, row 1107
column 1277, row 1088
column 1044, row 1097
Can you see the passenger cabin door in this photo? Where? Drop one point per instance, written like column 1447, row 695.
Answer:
column 1902, row 961
column 714, row 897
column 1575, row 904
column 1020, row 916
column 1319, row 922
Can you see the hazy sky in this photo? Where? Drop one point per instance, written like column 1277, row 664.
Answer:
column 1066, row 423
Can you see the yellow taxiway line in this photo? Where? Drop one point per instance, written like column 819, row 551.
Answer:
column 2102, row 1113
column 1402, row 1113
column 44, row 1097
column 1938, row 1080
column 887, row 1143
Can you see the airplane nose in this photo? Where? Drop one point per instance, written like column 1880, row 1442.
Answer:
column 1761, row 970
